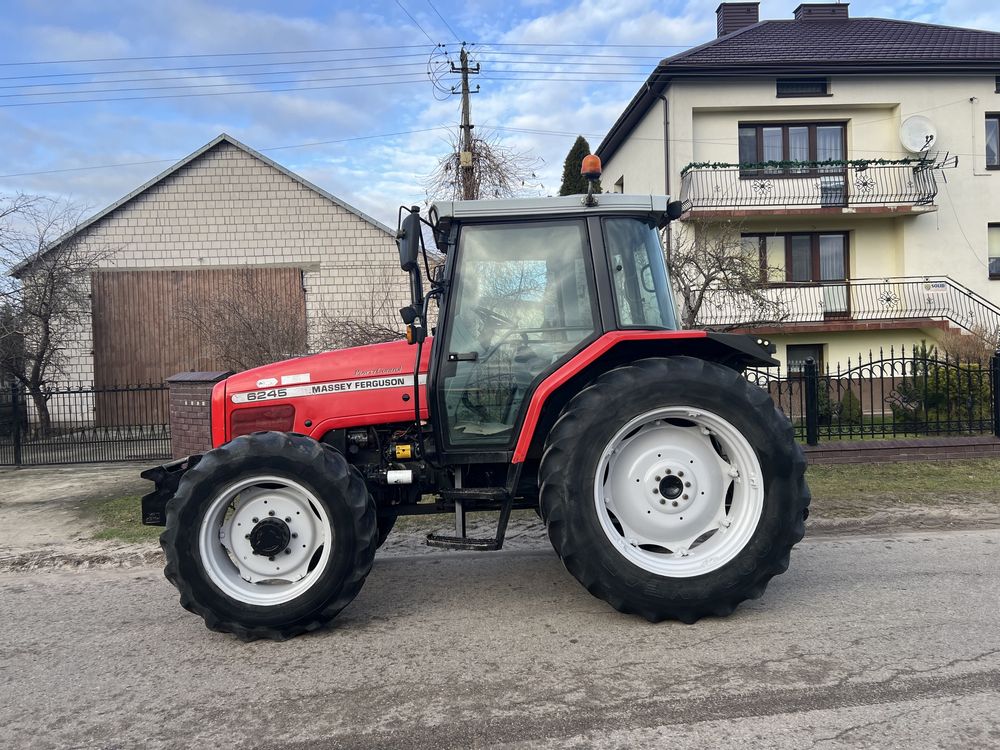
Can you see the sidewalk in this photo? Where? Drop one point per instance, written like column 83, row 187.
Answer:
column 43, row 523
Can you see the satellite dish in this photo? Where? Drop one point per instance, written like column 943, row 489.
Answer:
column 917, row 134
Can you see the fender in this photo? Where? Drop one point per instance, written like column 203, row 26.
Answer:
column 728, row 348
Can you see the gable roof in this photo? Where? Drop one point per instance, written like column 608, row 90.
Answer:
column 816, row 47
column 221, row 138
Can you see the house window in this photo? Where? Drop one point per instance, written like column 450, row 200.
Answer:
column 791, row 142
column 803, row 256
column 993, row 243
column 820, row 259
column 619, row 186
column 797, row 354
column 993, row 141
column 802, row 87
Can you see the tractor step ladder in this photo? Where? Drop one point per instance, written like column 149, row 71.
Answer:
column 466, row 498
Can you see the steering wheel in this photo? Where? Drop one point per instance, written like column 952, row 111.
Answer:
column 490, row 316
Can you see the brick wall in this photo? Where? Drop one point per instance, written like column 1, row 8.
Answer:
column 920, row 449
column 190, row 411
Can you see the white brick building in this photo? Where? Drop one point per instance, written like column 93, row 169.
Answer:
column 225, row 206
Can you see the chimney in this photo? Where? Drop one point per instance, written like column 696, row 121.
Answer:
column 732, row 17
column 821, row 12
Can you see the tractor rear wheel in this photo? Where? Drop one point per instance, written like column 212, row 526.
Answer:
column 673, row 488
column 269, row 536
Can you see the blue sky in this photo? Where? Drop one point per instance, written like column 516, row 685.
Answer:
column 367, row 66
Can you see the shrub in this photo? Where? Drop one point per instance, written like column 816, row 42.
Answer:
column 850, row 408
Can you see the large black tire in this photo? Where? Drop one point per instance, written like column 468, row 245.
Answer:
column 333, row 582
column 385, row 524
column 582, row 439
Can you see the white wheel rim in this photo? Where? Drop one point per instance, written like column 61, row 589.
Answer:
column 228, row 555
column 661, row 491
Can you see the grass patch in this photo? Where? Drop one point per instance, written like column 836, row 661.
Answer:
column 118, row 519
column 852, row 490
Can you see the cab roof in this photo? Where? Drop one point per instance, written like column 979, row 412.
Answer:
column 559, row 205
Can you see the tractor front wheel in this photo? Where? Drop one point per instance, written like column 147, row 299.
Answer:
column 269, row 536
column 672, row 488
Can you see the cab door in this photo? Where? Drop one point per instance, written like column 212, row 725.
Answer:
column 521, row 302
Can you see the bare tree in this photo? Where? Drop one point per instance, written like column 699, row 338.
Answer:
column 720, row 280
column 373, row 319
column 498, row 171
column 245, row 322
column 44, row 294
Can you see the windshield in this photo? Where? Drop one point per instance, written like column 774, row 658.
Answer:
column 639, row 274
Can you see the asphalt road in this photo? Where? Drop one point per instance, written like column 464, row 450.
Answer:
column 865, row 642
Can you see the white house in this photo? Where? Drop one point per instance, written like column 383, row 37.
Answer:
column 890, row 244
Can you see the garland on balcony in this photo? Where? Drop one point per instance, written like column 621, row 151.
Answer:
column 858, row 164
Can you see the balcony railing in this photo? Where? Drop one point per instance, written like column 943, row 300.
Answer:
column 813, row 186
column 896, row 298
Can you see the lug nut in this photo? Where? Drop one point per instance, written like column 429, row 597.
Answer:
column 246, row 536
column 255, row 519
column 684, row 497
column 271, row 558
column 657, row 479
column 656, row 491
column 295, row 536
column 680, row 473
column 668, row 471
column 288, row 519
column 270, row 513
column 664, row 502
column 288, row 551
column 674, row 503
column 687, row 484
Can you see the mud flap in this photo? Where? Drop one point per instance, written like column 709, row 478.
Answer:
column 166, row 478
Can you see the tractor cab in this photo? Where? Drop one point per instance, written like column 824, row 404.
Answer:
column 525, row 286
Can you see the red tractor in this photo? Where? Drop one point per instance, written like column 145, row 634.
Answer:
column 556, row 379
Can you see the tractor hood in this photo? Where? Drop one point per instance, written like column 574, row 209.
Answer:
column 311, row 395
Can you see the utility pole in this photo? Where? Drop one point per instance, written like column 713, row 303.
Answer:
column 465, row 156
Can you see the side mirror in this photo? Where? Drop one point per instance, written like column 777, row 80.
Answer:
column 437, row 274
column 408, row 239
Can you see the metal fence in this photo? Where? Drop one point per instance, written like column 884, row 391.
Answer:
column 735, row 187
column 83, row 425
column 896, row 396
column 887, row 298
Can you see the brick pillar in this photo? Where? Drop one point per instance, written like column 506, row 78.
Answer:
column 191, row 410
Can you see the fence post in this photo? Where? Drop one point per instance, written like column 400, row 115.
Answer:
column 995, row 382
column 15, row 410
column 812, row 401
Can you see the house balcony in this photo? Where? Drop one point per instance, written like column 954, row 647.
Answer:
column 856, row 189
column 853, row 305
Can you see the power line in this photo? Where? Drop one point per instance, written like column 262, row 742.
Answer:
column 415, row 22
column 208, row 85
column 445, row 22
column 210, row 54
column 207, row 67
column 211, row 93
column 272, row 72
column 341, row 49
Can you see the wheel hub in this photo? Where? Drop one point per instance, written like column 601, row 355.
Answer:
column 269, row 537
column 671, row 487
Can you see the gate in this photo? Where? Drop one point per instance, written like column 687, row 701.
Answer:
column 84, row 425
